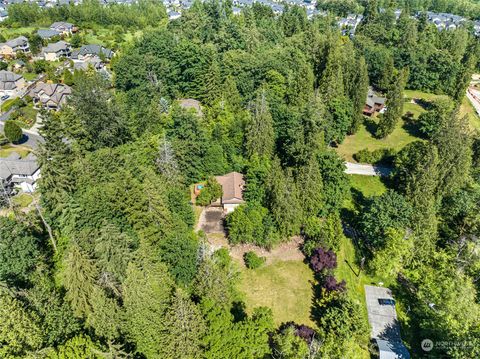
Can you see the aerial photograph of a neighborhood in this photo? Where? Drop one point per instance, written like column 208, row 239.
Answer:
column 239, row 179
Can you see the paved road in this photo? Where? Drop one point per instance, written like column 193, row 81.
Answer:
column 31, row 139
column 474, row 96
column 366, row 170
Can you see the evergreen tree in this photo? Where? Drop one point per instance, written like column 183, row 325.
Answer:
column 78, row 277
column 146, row 293
column 184, row 327
column 259, row 132
column 394, row 105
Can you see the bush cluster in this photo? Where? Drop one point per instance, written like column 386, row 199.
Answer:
column 252, row 260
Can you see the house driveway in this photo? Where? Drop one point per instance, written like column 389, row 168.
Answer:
column 211, row 220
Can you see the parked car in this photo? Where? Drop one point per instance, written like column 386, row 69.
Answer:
column 5, row 97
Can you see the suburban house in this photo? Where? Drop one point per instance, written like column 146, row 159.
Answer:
column 64, row 28
column 382, row 317
column 374, row 103
column 11, row 83
column 47, row 34
column 57, row 50
column 87, row 51
column 50, row 96
column 94, row 62
column 11, row 47
column 19, row 172
column 232, row 186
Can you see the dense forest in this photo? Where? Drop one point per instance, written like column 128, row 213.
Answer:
column 115, row 269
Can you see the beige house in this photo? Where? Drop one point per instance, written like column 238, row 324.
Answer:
column 56, row 51
column 50, row 96
column 11, row 47
column 11, row 84
column 232, row 184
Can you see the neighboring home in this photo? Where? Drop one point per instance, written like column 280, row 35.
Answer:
column 18, row 64
column 11, row 83
column 173, row 15
column 232, row 188
column 64, row 28
column 374, row 103
column 11, row 47
column 50, row 96
column 57, row 50
column 349, row 24
column 190, row 103
column 47, row 34
column 382, row 317
column 87, row 51
column 94, row 62
column 21, row 172
column 3, row 15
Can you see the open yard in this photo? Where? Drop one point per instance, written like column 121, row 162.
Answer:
column 364, row 139
column 7, row 150
column 402, row 135
column 285, row 287
column 368, row 185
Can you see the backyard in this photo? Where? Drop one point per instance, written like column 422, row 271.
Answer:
column 284, row 286
column 403, row 133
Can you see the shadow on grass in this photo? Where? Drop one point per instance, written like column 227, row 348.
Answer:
column 370, row 126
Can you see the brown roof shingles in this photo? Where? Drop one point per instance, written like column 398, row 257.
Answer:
column 232, row 185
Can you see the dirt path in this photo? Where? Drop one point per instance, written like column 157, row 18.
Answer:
column 288, row 251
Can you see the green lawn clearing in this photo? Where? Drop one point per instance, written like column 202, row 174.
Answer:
column 29, row 76
column 364, row 139
column 22, row 200
column 368, row 185
column 10, row 33
column 285, row 287
column 466, row 109
column 7, row 150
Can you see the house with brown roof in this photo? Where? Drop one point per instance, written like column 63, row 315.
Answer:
column 50, row 96
column 373, row 103
column 232, row 184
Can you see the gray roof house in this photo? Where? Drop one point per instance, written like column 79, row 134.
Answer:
column 385, row 329
column 92, row 50
column 10, row 82
column 55, row 51
column 63, row 27
column 373, row 103
column 19, row 44
column 23, row 172
column 50, row 96
column 47, row 34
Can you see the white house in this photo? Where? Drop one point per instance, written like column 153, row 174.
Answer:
column 19, row 172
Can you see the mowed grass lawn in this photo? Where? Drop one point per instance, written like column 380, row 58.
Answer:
column 400, row 137
column 364, row 139
column 368, row 185
column 285, row 287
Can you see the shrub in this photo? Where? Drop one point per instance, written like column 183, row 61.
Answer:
column 331, row 284
column 322, row 259
column 252, row 260
column 383, row 155
column 12, row 131
column 210, row 192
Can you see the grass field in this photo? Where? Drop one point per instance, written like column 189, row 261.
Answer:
column 11, row 33
column 22, row 200
column 401, row 136
column 364, row 139
column 6, row 150
column 368, row 185
column 285, row 287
